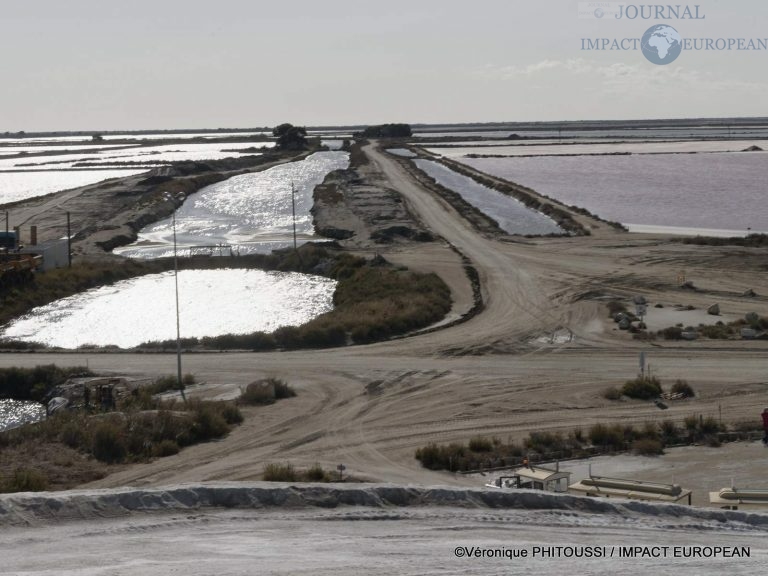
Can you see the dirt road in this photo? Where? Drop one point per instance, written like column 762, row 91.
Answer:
column 501, row 373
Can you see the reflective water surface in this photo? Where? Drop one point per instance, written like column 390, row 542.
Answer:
column 512, row 216
column 250, row 213
column 14, row 413
column 15, row 186
column 724, row 191
column 211, row 302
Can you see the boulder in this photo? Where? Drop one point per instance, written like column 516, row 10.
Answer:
column 750, row 293
column 714, row 310
column 624, row 324
column 752, row 318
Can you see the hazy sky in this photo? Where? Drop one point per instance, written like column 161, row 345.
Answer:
column 105, row 65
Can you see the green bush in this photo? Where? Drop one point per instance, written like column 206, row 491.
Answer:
column 72, row 434
column 544, row 442
column 682, row 387
column 480, row 444
column 108, row 443
column 316, row 474
column 672, row 333
column 231, row 413
column 208, row 422
column 35, row 383
column 265, row 391
column 430, row 457
column 718, row 331
column 607, row 436
column 25, row 480
column 452, row 457
column 642, row 388
column 669, row 430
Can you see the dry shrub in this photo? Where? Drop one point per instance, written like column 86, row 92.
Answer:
column 279, row 473
column 648, row 447
column 165, row 448
column 108, row 443
column 25, row 480
column 480, row 444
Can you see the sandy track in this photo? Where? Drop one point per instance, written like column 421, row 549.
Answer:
column 371, row 406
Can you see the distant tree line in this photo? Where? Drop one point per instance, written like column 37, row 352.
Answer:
column 387, row 131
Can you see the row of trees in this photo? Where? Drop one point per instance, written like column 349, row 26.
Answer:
column 387, row 131
column 290, row 137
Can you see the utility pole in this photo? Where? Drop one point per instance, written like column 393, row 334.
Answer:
column 293, row 211
column 69, row 240
column 178, row 325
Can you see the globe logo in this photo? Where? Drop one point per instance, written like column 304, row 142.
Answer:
column 661, row 44
column 599, row 13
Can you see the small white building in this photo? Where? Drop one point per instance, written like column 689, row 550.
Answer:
column 534, row 478
column 55, row 253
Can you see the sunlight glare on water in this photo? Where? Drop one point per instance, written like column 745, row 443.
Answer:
column 14, row 413
column 212, row 303
column 251, row 212
column 15, row 186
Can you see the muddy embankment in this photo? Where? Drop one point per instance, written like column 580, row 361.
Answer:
column 31, row 509
column 356, row 207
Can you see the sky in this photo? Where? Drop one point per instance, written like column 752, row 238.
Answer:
column 167, row 64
